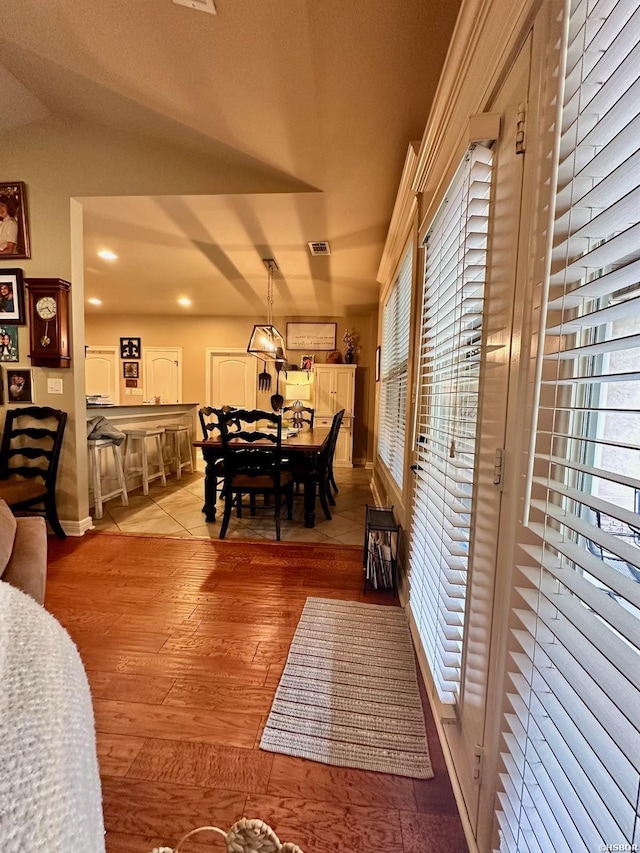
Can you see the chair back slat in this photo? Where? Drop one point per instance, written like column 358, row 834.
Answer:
column 31, row 452
column 208, row 421
column 301, row 415
column 251, row 461
column 18, row 441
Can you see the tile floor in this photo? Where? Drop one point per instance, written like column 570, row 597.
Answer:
column 177, row 511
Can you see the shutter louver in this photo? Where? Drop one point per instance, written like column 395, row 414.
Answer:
column 450, row 363
column 396, row 321
column 570, row 777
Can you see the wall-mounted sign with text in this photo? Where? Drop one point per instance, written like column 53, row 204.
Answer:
column 311, row 336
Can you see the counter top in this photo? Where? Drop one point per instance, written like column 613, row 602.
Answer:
column 109, row 406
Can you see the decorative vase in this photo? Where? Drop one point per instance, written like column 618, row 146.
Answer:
column 348, row 358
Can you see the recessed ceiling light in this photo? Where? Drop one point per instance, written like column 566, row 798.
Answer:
column 107, row 255
column 184, row 301
column 94, row 301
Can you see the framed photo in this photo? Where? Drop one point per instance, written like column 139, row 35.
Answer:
column 130, row 369
column 11, row 297
column 311, row 336
column 377, row 364
column 306, row 362
column 130, row 348
column 9, row 343
column 14, row 230
column 19, row 385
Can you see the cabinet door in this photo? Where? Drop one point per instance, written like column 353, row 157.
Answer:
column 324, row 393
column 344, row 390
column 101, row 373
column 343, row 457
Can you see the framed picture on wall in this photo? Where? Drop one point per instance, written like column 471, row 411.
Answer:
column 19, row 385
column 11, row 297
column 130, row 369
column 14, row 230
column 9, row 343
column 130, row 348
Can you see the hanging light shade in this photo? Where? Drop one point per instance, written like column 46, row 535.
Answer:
column 266, row 342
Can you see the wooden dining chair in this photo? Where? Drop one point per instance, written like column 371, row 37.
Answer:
column 300, row 415
column 318, row 467
column 252, row 460
column 29, row 454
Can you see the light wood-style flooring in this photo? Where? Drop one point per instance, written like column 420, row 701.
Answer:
column 184, row 642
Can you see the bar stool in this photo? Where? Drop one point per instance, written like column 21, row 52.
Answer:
column 96, row 447
column 175, row 433
column 142, row 434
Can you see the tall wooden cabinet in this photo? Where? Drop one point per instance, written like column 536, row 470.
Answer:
column 335, row 389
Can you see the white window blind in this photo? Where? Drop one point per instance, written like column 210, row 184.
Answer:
column 450, row 363
column 570, row 777
column 394, row 353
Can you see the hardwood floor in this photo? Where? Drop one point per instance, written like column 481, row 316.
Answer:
column 184, row 642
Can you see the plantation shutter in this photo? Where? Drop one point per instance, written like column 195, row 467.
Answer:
column 571, row 765
column 396, row 322
column 450, row 362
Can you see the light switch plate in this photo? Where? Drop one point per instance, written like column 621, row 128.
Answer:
column 54, row 386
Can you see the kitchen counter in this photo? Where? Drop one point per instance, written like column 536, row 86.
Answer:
column 146, row 415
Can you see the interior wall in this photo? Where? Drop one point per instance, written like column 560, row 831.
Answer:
column 195, row 334
column 63, row 159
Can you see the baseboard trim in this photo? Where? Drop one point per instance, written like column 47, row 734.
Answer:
column 77, row 528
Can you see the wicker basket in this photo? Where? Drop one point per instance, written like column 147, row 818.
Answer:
column 245, row 836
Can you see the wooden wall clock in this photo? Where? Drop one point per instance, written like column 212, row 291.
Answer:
column 48, row 312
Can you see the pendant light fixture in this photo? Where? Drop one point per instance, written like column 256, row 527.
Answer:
column 266, row 342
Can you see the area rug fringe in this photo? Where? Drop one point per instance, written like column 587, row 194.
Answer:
column 349, row 694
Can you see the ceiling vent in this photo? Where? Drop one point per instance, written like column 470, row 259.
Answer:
column 202, row 5
column 319, row 247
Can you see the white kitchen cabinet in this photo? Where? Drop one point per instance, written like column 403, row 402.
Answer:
column 334, row 389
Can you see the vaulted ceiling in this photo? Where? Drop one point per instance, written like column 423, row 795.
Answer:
column 317, row 100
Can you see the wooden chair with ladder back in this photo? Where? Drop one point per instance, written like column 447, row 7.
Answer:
column 29, row 455
column 252, row 460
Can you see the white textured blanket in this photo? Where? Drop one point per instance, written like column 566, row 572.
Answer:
column 49, row 784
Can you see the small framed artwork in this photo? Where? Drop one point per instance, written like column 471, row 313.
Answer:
column 19, row 385
column 130, row 369
column 129, row 347
column 9, row 344
column 130, row 383
column 14, row 230
column 11, row 297
column 306, row 362
column 377, row 364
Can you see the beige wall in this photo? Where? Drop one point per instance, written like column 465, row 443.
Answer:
column 195, row 334
column 61, row 160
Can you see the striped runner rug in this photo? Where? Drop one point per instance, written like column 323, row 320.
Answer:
column 349, row 695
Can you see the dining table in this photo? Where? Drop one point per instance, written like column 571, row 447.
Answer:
column 300, row 448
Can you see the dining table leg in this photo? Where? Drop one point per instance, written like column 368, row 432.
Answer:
column 210, row 489
column 309, row 502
